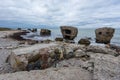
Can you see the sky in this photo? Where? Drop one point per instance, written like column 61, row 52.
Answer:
column 79, row 13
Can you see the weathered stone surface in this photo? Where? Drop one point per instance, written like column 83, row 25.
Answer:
column 68, row 32
column 106, row 67
column 104, row 35
column 78, row 53
column 84, row 42
column 17, row 62
column 98, row 49
column 45, row 32
column 73, row 73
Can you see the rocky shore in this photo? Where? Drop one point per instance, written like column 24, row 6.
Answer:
column 56, row 60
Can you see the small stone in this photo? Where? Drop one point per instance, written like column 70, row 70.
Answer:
column 58, row 39
column 84, row 42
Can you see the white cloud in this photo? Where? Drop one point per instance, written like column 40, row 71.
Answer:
column 82, row 13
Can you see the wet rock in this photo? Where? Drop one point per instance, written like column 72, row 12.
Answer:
column 104, row 35
column 17, row 36
column 45, row 32
column 58, row 39
column 84, row 42
column 34, row 30
column 68, row 32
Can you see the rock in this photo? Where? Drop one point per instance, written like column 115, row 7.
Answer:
column 73, row 73
column 69, row 41
column 17, row 62
column 58, row 39
column 98, row 49
column 84, row 42
column 68, row 32
column 45, row 32
column 31, row 42
column 19, row 29
column 104, row 35
column 106, row 67
column 17, row 35
column 33, row 30
column 69, row 53
column 79, row 53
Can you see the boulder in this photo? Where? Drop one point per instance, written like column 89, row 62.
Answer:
column 100, row 49
column 84, row 42
column 69, row 32
column 104, row 35
column 18, row 63
column 45, row 32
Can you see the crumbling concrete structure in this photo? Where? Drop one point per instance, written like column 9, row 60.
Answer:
column 104, row 35
column 69, row 32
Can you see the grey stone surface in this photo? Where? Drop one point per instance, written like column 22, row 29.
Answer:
column 50, row 74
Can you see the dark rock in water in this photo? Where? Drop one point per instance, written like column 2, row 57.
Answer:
column 68, row 32
column 58, row 39
column 45, row 32
column 104, row 35
column 17, row 36
column 33, row 30
column 84, row 42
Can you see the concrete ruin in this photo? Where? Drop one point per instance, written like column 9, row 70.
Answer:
column 104, row 35
column 69, row 32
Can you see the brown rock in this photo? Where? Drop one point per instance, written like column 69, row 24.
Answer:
column 84, row 42
column 17, row 62
column 69, row 32
column 58, row 39
column 45, row 32
column 104, row 35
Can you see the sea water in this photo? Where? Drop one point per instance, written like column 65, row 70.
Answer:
column 82, row 33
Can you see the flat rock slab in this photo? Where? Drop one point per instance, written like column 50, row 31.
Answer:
column 50, row 74
column 29, row 49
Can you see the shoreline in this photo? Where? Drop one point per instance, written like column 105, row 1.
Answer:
column 96, row 52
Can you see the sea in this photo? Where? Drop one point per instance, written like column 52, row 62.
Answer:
column 82, row 33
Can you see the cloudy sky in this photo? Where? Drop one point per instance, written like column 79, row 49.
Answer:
column 80, row 13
